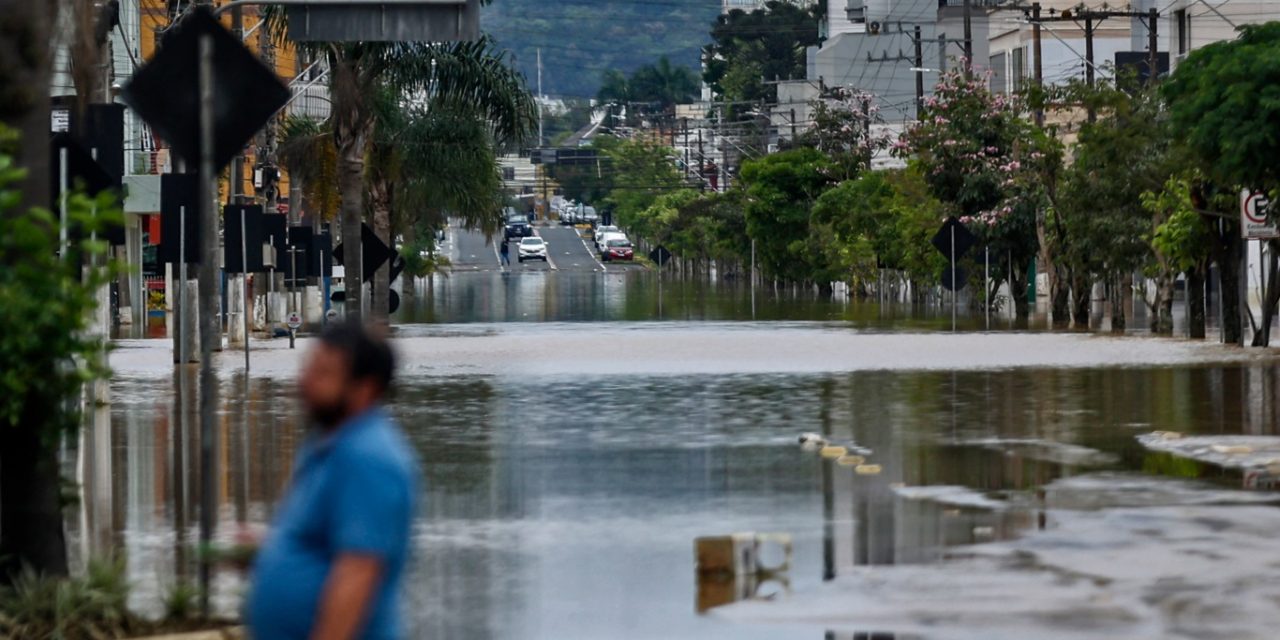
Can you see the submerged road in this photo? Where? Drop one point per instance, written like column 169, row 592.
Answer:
column 567, row 250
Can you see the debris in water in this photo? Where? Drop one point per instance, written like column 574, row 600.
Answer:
column 850, row 461
column 833, row 452
column 867, row 469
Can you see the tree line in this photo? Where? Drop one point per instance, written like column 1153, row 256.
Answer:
column 1146, row 193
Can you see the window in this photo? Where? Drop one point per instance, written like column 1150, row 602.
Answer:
column 1183, row 20
column 999, row 73
column 1019, row 72
column 508, row 173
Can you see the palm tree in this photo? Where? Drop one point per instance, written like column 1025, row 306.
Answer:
column 664, row 83
column 472, row 74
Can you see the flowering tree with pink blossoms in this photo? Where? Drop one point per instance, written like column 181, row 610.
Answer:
column 984, row 159
column 847, row 127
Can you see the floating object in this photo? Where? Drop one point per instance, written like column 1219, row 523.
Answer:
column 1237, row 448
column 1167, row 435
column 850, row 461
column 741, row 554
column 984, row 531
column 833, row 452
column 812, row 439
column 867, row 469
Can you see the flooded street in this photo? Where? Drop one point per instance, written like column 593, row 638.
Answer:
column 572, row 462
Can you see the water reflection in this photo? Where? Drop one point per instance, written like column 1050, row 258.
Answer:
column 565, row 506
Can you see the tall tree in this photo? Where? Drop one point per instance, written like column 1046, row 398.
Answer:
column 750, row 48
column 990, row 166
column 1225, row 98
column 781, row 189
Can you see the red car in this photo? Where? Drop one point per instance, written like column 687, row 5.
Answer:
column 617, row 249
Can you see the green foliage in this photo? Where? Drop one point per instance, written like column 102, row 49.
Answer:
column 841, row 128
column 1225, row 99
column 580, row 39
column 181, row 601
column 92, row 607
column 46, row 352
column 1181, row 239
column 662, row 85
column 749, row 48
column 642, row 171
column 781, row 188
column 1116, row 159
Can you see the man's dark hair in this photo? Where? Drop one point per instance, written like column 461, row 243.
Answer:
column 369, row 354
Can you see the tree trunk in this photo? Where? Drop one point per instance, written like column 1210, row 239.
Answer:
column 1228, row 257
column 25, row 64
column 1195, row 303
column 350, row 137
column 1059, row 292
column 1018, row 291
column 1118, row 322
column 409, row 281
column 31, row 534
column 1082, row 290
column 380, row 208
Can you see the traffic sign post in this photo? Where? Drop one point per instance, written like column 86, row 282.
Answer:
column 1254, row 221
column 953, row 240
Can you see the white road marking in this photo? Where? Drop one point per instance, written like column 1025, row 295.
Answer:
column 550, row 262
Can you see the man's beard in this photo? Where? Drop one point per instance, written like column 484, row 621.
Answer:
column 328, row 416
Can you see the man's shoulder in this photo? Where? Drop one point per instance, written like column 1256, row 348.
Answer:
column 380, row 446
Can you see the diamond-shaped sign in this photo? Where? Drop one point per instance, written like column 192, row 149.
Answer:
column 963, row 239
column 374, row 252
column 166, row 90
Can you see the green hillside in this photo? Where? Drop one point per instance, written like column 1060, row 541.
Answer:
column 580, row 39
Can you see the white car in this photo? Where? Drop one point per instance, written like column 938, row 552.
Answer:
column 532, row 248
column 603, row 229
column 603, row 238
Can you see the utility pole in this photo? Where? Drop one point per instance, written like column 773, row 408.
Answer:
column 1035, row 47
column 540, row 138
column 919, row 73
column 1153, row 44
column 968, row 38
column 1088, row 59
column 793, row 125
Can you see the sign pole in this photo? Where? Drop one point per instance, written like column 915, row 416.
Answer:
column 208, row 318
column 986, row 284
column 244, row 275
column 953, row 279
column 182, row 284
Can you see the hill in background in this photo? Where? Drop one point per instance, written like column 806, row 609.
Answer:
column 581, row 39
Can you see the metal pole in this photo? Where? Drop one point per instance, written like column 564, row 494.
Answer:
column 1153, row 45
column 968, row 38
column 182, row 284
column 1039, row 62
column 63, row 189
column 953, row 272
column 919, row 42
column 244, row 276
column 209, row 330
column 1088, row 55
column 986, row 283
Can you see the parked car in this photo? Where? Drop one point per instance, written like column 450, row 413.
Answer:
column 589, row 216
column 602, row 238
column 532, row 248
column 617, row 249
column 603, row 229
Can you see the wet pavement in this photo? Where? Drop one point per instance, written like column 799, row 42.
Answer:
column 577, row 440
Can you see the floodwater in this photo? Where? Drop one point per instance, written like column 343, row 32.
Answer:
column 574, row 450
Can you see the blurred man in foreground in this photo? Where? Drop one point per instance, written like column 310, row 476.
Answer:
column 331, row 567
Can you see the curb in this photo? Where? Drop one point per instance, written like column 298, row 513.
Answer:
column 228, row 633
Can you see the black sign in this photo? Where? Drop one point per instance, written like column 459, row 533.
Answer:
column 960, row 278
column 84, row 173
column 166, row 91
column 322, row 268
column 252, row 216
column 375, row 252
column 274, row 233
column 660, row 255
column 178, row 194
column 963, row 239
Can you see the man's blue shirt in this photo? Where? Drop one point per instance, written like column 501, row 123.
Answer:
column 352, row 492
